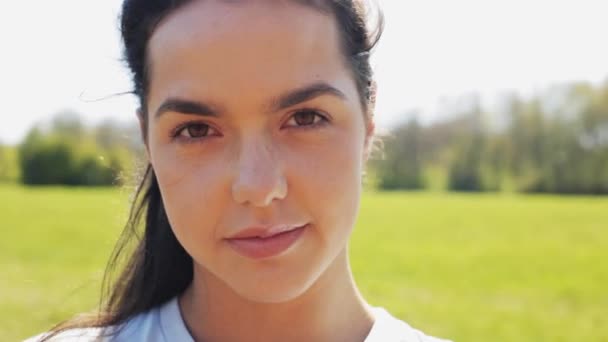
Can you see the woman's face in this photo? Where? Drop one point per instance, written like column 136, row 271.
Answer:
column 255, row 121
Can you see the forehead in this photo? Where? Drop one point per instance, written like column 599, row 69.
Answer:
column 209, row 45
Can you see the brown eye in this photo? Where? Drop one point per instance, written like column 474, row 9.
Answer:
column 195, row 130
column 305, row 118
column 198, row 130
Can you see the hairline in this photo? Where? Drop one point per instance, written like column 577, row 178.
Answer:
column 320, row 5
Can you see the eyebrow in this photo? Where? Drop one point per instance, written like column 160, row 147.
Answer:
column 289, row 99
column 304, row 94
column 186, row 107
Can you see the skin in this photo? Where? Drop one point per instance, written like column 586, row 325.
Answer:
column 254, row 162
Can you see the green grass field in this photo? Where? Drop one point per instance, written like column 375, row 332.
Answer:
column 497, row 267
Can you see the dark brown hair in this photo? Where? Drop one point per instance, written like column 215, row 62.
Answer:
column 153, row 266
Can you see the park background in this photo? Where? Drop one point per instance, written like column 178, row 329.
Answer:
column 484, row 216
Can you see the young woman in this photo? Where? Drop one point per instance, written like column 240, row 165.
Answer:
column 257, row 117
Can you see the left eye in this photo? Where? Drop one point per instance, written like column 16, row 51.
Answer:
column 307, row 118
column 196, row 130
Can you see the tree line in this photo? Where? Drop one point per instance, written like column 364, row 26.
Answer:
column 67, row 152
column 553, row 142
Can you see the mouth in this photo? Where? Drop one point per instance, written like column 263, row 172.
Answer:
column 259, row 244
column 264, row 232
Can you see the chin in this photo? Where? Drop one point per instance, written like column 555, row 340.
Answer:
column 274, row 291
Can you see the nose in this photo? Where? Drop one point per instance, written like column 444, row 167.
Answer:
column 259, row 177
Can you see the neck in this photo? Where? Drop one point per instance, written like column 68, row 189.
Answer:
column 332, row 309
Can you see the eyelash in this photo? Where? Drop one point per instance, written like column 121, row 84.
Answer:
column 323, row 119
column 177, row 131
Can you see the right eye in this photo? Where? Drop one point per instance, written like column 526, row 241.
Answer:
column 192, row 131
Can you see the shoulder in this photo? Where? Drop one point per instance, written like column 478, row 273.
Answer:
column 142, row 327
column 136, row 329
column 72, row 335
column 388, row 328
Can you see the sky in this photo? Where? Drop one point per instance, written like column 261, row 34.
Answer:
column 66, row 54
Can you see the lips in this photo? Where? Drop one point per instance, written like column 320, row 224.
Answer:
column 258, row 243
column 263, row 232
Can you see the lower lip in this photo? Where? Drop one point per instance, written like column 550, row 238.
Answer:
column 259, row 248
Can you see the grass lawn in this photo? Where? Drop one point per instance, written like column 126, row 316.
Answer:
column 495, row 267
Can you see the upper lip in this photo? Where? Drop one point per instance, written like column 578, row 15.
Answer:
column 263, row 231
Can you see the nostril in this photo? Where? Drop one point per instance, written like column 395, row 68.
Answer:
column 258, row 177
column 259, row 189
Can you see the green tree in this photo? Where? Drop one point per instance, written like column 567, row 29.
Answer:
column 402, row 165
column 68, row 153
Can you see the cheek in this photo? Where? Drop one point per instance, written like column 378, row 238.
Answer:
column 192, row 196
column 329, row 180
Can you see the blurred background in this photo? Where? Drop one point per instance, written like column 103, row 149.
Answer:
column 483, row 217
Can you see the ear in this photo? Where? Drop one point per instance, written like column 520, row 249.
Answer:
column 143, row 129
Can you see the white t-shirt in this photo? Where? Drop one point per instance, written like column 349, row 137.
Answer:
column 165, row 324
